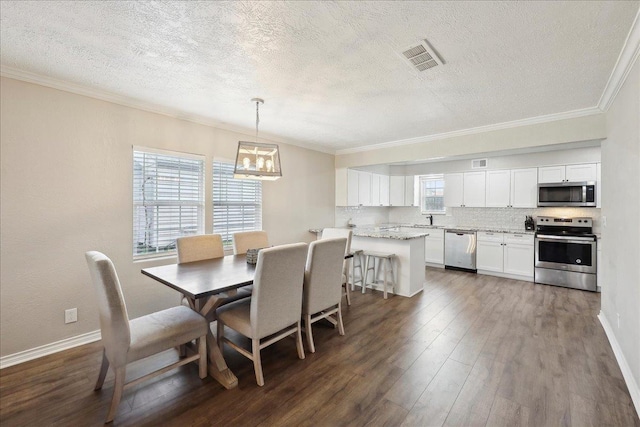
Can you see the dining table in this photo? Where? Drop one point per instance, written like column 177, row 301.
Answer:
column 207, row 285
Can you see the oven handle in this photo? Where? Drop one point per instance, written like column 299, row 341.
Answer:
column 572, row 239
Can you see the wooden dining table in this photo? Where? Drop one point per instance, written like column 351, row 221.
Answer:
column 207, row 285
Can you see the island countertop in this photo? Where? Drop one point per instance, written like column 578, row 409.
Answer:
column 380, row 232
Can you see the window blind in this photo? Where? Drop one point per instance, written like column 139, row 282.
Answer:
column 237, row 203
column 432, row 194
column 168, row 200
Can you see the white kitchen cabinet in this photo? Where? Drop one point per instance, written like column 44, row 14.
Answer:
column 510, row 254
column 396, row 190
column 474, row 184
column 384, row 190
column 567, row 173
column 375, row 189
column 434, row 246
column 364, row 188
column 352, row 188
column 498, row 190
column 524, row 188
column 409, row 191
column 490, row 252
column 453, row 189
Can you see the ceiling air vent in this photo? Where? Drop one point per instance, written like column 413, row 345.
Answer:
column 421, row 57
column 478, row 163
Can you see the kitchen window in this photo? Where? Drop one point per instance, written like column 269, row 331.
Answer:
column 432, row 194
column 168, row 200
column 237, row 203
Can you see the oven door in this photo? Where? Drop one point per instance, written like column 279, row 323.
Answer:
column 569, row 253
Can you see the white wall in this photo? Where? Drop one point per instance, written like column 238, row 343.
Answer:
column 66, row 187
column 621, row 207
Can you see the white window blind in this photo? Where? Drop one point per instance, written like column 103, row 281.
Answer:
column 168, row 200
column 237, row 203
column 432, row 194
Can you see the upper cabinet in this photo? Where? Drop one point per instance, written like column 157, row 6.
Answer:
column 409, row 191
column 568, row 173
column 384, row 190
column 512, row 188
column 360, row 188
column 465, row 189
column 401, row 191
column 364, row 188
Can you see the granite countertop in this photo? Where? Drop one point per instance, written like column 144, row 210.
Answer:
column 385, row 230
column 493, row 230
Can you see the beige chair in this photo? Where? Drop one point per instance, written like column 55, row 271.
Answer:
column 200, row 247
column 275, row 308
column 127, row 340
column 246, row 240
column 322, row 295
column 334, row 233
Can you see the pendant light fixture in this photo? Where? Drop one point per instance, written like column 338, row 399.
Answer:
column 256, row 160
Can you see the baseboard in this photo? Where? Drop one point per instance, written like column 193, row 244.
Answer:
column 44, row 350
column 506, row 275
column 632, row 385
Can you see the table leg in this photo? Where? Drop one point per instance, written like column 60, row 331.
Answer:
column 218, row 368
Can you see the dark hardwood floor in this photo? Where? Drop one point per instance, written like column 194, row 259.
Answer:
column 470, row 350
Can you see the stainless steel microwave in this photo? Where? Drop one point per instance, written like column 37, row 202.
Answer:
column 567, row 194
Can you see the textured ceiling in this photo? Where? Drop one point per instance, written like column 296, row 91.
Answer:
column 331, row 72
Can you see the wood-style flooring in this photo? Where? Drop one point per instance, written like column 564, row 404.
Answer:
column 470, row 350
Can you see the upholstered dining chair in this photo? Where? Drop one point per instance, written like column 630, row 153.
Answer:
column 199, row 247
column 245, row 240
column 127, row 340
column 322, row 294
column 275, row 308
column 333, row 233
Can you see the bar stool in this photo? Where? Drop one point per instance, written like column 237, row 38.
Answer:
column 387, row 260
column 357, row 256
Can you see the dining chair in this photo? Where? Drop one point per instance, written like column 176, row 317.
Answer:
column 245, row 240
column 274, row 310
column 333, row 233
column 125, row 341
column 322, row 291
column 199, row 247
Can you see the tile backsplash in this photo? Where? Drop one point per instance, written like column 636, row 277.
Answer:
column 508, row 218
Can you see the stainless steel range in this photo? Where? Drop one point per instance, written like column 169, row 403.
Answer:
column 565, row 252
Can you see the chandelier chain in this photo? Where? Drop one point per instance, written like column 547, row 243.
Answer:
column 257, row 118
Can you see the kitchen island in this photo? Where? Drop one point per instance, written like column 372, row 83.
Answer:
column 408, row 247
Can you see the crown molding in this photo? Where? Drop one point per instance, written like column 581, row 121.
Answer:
column 55, row 83
column 480, row 129
column 626, row 60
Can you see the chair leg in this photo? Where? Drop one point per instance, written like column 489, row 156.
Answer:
column 220, row 335
column 257, row 363
column 340, row 324
column 365, row 274
column 103, row 370
column 346, row 289
column 299, row 340
column 202, row 350
column 118, row 387
column 384, row 267
column 307, row 324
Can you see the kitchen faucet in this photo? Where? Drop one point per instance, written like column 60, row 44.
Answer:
column 430, row 217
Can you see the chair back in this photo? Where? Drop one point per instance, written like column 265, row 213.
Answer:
column 114, row 320
column 246, row 240
column 323, row 275
column 277, row 288
column 334, row 233
column 197, row 248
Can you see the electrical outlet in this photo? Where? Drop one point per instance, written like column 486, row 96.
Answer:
column 618, row 316
column 71, row 315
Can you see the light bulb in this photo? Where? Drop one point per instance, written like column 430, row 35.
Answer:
column 260, row 163
column 246, row 163
column 269, row 164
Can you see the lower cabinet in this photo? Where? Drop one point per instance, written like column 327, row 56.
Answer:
column 434, row 246
column 506, row 253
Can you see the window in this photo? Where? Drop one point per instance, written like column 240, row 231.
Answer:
column 237, row 203
column 432, row 194
column 168, row 200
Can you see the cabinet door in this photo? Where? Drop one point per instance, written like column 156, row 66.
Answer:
column 498, row 189
column 409, row 191
column 518, row 259
column 585, row 172
column 524, row 188
column 453, row 186
column 352, row 187
column 489, row 256
column 434, row 250
column 551, row 174
column 375, row 189
column 396, row 191
column 474, row 189
column 364, row 188
column 384, row 190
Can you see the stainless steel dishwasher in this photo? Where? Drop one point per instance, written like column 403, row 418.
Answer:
column 460, row 249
